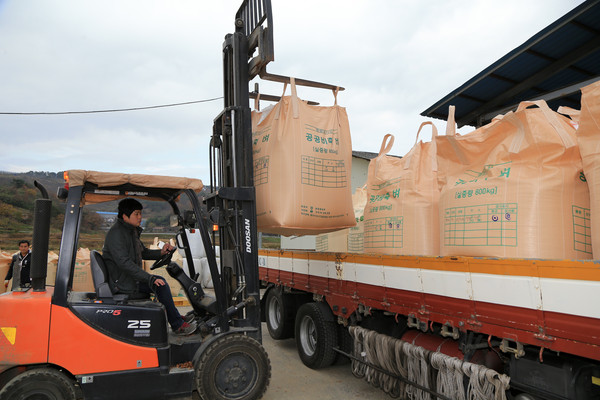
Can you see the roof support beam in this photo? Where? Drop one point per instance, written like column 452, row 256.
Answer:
column 560, row 64
column 557, row 94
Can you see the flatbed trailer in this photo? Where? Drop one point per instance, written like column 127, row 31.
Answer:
column 540, row 316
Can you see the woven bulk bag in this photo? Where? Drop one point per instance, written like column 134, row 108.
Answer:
column 302, row 167
column 588, row 136
column 332, row 242
column 401, row 214
column 350, row 239
column 356, row 234
column 514, row 188
column 82, row 274
column 5, row 260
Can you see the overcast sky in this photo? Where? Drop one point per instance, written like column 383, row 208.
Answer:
column 395, row 58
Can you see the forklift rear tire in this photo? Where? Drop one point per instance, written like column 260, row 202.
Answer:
column 279, row 314
column 316, row 335
column 39, row 383
column 234, row 366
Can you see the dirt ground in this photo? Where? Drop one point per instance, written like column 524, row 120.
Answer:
column 292, row 380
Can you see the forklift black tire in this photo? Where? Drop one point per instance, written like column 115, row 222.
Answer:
column 234, row 366
column 39, row 383
column 279, row 314
column 316, row 335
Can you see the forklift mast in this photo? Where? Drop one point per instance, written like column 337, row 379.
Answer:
column 231, row 202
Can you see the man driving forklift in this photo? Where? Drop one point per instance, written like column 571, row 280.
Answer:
column 123, row 253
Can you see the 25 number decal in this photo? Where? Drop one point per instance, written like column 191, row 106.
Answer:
column 138, row 324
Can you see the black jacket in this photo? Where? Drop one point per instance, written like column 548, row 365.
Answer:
column 25, row 269
column 123, row 260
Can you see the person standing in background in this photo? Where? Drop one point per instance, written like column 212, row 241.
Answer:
column 19, row 268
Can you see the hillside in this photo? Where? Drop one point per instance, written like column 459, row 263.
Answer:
column 17, row 199
column 17, row 190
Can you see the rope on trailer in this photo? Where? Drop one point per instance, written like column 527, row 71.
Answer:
column 432, row 371
column 386, row 348
column 398, row 363
column 398, row 357
column 450, row 375
column 358, row 368
column 485, row 383
column 370, row 350
column 418, row 370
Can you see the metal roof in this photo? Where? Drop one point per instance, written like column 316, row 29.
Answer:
column 552, row 65
column 365, row 155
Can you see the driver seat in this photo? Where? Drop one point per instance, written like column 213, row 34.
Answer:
column 100, row 278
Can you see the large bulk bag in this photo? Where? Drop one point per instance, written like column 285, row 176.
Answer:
column 302, row 167
column 5, row 260
column 332, row 242
column 82, row 273
column 514, row 188
column 401, row 214
column 356, row 233
column 588, row 136
column 346, row 240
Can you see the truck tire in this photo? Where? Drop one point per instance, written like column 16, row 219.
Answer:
column 234, row 366
column 39, row 383
column 316, row 335
column 279, row 314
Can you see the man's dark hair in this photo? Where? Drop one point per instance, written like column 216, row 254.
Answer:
column 24, row 241
column 127, row 206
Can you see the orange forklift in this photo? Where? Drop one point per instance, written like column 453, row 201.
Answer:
column 58, row 343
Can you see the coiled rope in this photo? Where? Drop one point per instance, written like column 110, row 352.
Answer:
column 432, row 370
column 485, row 383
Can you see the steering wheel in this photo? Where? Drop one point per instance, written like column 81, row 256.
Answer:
column 164, row 260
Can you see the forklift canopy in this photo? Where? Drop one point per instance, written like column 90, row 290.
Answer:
column 107, row 180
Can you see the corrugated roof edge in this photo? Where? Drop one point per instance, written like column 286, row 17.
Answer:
column 367, row 155
column 582, row 8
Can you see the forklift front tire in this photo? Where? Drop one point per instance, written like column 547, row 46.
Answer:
column 42, row 383
column 234, row 366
